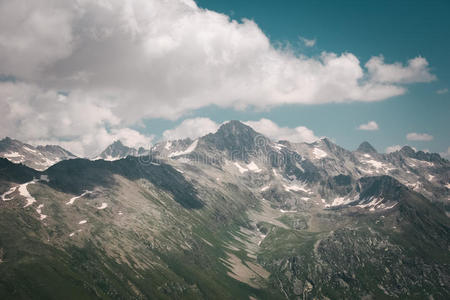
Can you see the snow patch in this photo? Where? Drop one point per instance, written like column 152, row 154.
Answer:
column 9, row 192
column 287, row 211
column 24, row 192
column 82, row 222
column 103, row 206
column 378, row 165
column 430, row 177
column 375, row 204
column 29, row 149
column 241, row 169
column 265, row 188
column 319, row 153
column 73, row 233
column 296, row 188
column 168, row 145
column 111, row 158
column 178, row 170
column 13, row 155
column 374, row 163
column 338, row 201
column 279, row 146
column 72, row 200
column 187, row 151
column 39, row 211
column 253, row 167
column 447, row 186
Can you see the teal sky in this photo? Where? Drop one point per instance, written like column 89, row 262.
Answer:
column 399, row 30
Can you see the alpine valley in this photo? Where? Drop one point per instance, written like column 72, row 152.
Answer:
column 230, row 215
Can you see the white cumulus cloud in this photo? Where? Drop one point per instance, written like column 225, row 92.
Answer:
column 446, row 154
column 371, row 125
column 422, row 137
column 416, row 70
column 83, row 69
column 192, row 128
column 308, row 42
column 275, row 132
column 393, row 148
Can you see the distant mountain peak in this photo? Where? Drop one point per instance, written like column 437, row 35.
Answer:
column 117, row 150
column 366, row 147
column 38, row 158
column 407, row 150
column 235, row 135
column 117, row 143
column 236, row 127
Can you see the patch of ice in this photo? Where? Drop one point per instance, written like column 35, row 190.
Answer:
column 414, row 162
column 39, row 211
column 103, row 206
column 82, row 222
column 24, row 192
column 378, row 165
column 279, row 146
column 9, row 192
column 374, row 202
column 13, row 155
column 392, row 206
column 29, row 149
column 296, row 188
column 319, row 153
column 263, row 236
column 72, row 200
column 241, row 169
column 265, row 188
column 338, row 201
column 187, row 151
column 287, row 211
column 111, row 158
column 374, row 163
column 179, row 171
column 367, row 171
column 253, row 167
column 73, row 233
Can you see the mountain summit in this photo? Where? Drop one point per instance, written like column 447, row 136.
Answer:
column 39, row 158
column 235, row 135
column 366, row 147
column 117, row 150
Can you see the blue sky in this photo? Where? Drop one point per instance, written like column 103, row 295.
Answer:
column 399, row 30
column 83, row 74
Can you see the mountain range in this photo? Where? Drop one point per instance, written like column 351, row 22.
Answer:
column 230, row 215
